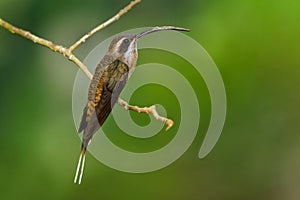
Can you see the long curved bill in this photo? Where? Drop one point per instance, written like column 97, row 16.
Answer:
column 160, row 28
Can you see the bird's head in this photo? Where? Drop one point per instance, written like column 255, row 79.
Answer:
column 124, row 47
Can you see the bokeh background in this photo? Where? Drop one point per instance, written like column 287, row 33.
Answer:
column 256, row 47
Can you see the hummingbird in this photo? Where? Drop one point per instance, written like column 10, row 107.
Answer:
column 109, row 79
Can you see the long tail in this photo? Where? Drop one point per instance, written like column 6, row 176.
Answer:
column 80, row 163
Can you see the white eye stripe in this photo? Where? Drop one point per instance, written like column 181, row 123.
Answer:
column 120, row 42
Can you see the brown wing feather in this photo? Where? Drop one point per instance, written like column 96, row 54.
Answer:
column 87, row 124
column 109, row 98
column 98, row 108
column 99, row 72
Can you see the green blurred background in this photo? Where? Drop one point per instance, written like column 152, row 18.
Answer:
column 256, row 47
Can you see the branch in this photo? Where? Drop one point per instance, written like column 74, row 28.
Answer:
column 148, row 110
column 54, row 47
column 67, row 52
column 105, row 24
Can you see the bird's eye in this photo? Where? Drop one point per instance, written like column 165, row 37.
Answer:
column 126, row 41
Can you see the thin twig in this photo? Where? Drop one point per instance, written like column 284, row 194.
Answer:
column 148, row 110
column 54, row 47
column 105, row 24
column 67, row 52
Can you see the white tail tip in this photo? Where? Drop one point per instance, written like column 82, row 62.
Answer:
column 81, row 162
